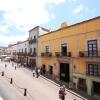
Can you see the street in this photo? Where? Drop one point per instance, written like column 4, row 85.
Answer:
column 36, row 88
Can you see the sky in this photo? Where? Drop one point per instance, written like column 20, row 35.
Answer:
column 17, row 17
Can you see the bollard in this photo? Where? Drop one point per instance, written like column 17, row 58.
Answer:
column 15, row 67
column 2, row 73
column 25, row 90
column 11, row 81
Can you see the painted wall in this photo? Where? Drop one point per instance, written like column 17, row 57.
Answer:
column 76, row 38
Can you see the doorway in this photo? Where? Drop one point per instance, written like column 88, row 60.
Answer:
column 64, row 72
column 43, row 69
column 96, row 88
column 50, row 69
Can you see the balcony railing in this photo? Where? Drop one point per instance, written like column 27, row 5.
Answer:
column 89, row 53
column 22, row 53
column 34, row 54
column 14, row 53
column 47, row 54
column 32, row 41
column 63, row 54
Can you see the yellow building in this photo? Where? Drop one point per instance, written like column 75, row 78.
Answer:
column 72, row 54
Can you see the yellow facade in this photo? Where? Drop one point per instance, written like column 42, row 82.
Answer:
column 75, row 37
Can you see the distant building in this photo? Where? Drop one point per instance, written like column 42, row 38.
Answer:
column 33, row 45
column 3, row 50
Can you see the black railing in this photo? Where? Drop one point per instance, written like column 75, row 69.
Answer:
column 61, row 54
column 48, row 54
column 89, row 53
column 32, row 41
column 34, row 54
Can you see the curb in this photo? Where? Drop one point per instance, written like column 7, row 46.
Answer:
column 77, row 95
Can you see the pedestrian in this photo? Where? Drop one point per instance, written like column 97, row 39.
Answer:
column 15, row 67
column 62, row 93
column 12, row 64
column 39, row 71
column 5, row 65
column 64, row 88
column 33, row 73
column 37, row 74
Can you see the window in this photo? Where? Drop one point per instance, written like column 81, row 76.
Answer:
column 22, row 50
column 25, row 50
column 34, row 37
column 30, row 50
column 34, row 50
column 64, row 49
column 93, row 69
column 92, row 48
column 46, row 48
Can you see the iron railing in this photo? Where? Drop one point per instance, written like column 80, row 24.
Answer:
column 47, row 54
column 89, row 53
column 63, row 54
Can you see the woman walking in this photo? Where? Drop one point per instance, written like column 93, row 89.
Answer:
column 62, row 93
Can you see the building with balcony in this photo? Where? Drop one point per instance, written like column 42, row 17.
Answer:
column 72, row 54
column 22, row 52
column 33, row 45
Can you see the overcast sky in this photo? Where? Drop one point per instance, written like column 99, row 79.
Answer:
column 17, row 17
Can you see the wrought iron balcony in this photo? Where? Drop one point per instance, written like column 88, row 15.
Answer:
column 34, row 54
column 32, row 41
column 62, row 54
column 47, row 54
column 89, row 53
column 14, row 53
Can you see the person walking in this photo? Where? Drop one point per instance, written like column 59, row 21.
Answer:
column 37, row 73
column 62, row 93
column 15, row 67
column 12, row 64
column 5, row 65
column 33, row 73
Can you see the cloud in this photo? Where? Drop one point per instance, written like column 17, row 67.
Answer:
column 11, row 39
column 78, row 9
column 25, row 13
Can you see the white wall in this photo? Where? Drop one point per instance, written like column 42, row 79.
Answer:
column 23, row 45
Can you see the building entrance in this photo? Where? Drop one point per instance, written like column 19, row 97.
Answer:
column 96, row 88
column 64, row 72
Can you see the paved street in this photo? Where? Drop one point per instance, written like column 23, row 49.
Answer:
column 37, row 88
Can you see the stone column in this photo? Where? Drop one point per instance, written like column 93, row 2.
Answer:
column 89, row 86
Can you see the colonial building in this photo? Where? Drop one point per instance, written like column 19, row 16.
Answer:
column 22, row 52
column 33, row 45
column 11, row 51
column 2, row 50
column 72, row 54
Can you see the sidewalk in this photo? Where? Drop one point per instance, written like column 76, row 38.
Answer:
column 78, row 93
column 40, row 88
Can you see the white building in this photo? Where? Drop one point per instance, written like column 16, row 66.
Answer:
column 22, row 51
column 33, row 44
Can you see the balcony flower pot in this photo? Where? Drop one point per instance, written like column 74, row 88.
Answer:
column 81, row 54
column 69, row 54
